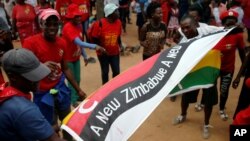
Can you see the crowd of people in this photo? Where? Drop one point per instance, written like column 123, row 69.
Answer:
column 55, row 34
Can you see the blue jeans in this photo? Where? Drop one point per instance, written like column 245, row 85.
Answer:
column 105, row 61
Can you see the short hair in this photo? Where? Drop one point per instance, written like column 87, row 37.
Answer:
column 151, row 8
column 188, row 17
column 195, row 8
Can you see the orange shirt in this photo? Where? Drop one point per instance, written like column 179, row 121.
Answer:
column 108, row 34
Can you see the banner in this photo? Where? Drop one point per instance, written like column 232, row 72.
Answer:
column 118, row 108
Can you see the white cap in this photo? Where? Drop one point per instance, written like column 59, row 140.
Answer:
column 109, row 9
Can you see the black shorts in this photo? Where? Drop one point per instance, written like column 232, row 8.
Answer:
column 209, row 96
column 190, row 97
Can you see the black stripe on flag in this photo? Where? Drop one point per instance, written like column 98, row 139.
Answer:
column 133, row 93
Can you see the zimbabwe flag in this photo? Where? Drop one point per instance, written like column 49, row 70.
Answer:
column 118, row 108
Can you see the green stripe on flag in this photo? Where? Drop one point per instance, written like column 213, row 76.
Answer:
column 203, row 75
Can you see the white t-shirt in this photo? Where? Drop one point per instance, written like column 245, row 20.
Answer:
column 203, row 29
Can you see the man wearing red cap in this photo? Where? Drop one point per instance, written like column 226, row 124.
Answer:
column 228, row 46
column 84, row 8
column 53, row 97
column 72, row 33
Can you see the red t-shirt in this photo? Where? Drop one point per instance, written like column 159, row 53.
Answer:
column 61, row 7
column 47, row 51
column 69, row 33
column 25, row 20
column 228, row 46
column 165, row 12
column 23, row 13
column 108, row 34
column 84, row 6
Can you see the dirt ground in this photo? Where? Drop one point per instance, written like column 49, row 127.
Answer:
column 158, row 127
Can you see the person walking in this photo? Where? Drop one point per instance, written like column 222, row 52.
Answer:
column 84, row 8
column 124, row 11
column 173, row 24
column 228, row 47
column 190, row 30
column 72, row 33
column 20, row 118
column 53, row 96
column 140, row 10
column 153, row 33
column 107, row 33
column 23, row 20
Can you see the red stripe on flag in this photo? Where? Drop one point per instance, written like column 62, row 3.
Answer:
column 78, row 120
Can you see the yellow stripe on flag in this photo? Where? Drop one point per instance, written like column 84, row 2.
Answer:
column 212, row 59
column 67, row 118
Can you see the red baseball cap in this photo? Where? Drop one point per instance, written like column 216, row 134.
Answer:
column 229, row 13
column 72, row 11
column 45, row 13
